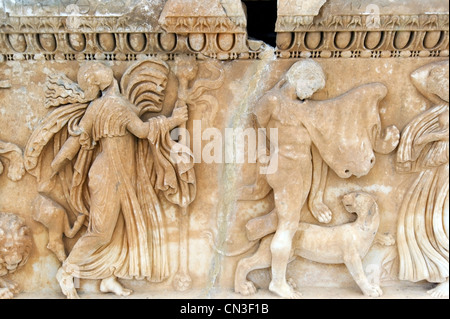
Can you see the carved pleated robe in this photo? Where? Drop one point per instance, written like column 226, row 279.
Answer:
column 423, row 227
column 115, row 179
column 126, row 237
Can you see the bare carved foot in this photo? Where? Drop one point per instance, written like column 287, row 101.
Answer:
column 67, row 285
column 322, row 213
column 284, row 290
column 246, row 289
column 57, row 247
column 112, row 285
column 440, row 291
column 182, row 282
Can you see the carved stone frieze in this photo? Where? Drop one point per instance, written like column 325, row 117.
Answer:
column 170, row 149
column 366, row 29
column 215, row 29
column 312, row 136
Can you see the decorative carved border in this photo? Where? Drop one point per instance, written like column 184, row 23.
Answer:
column 121, row 46
column 79, row 24
column 120, row 39
column 364, row 44
column 124, row 24
column 205, row 24
column 363, row 22
column 363, row 36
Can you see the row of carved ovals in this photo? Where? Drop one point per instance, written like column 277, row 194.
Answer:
column 367, row 40
column 132, row 42
column 77, row 42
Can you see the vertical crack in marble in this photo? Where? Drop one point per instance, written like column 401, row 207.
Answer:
column 230, row 173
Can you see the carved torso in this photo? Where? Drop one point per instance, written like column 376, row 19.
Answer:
column 108, row 117
column 293, row 139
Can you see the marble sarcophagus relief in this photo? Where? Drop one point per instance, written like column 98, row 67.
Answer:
column 155, row 148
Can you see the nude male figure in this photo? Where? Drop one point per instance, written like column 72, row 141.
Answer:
column 292, row 182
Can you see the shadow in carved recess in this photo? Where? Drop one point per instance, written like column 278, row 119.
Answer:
column 261, row 20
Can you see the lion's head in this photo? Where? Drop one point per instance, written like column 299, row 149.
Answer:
column 15, row 243
column 360, row 203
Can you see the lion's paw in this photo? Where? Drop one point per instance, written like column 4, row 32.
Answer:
column 322, row 213
column 6, row 293
column 440, row 291
column 16, row 171
column 246, row 289
column 373, row 291
column 13, row 287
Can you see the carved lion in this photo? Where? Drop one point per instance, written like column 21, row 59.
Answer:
column 344, row 244
column 15, row 248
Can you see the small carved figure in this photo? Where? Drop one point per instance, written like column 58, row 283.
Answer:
column 15, row 248
column 423, row 227
column 15, row 157
column 11, row 152
column 345, row 244
column 340, row 133
column 111, row 165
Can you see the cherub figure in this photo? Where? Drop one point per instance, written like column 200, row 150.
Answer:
column 14, row 155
